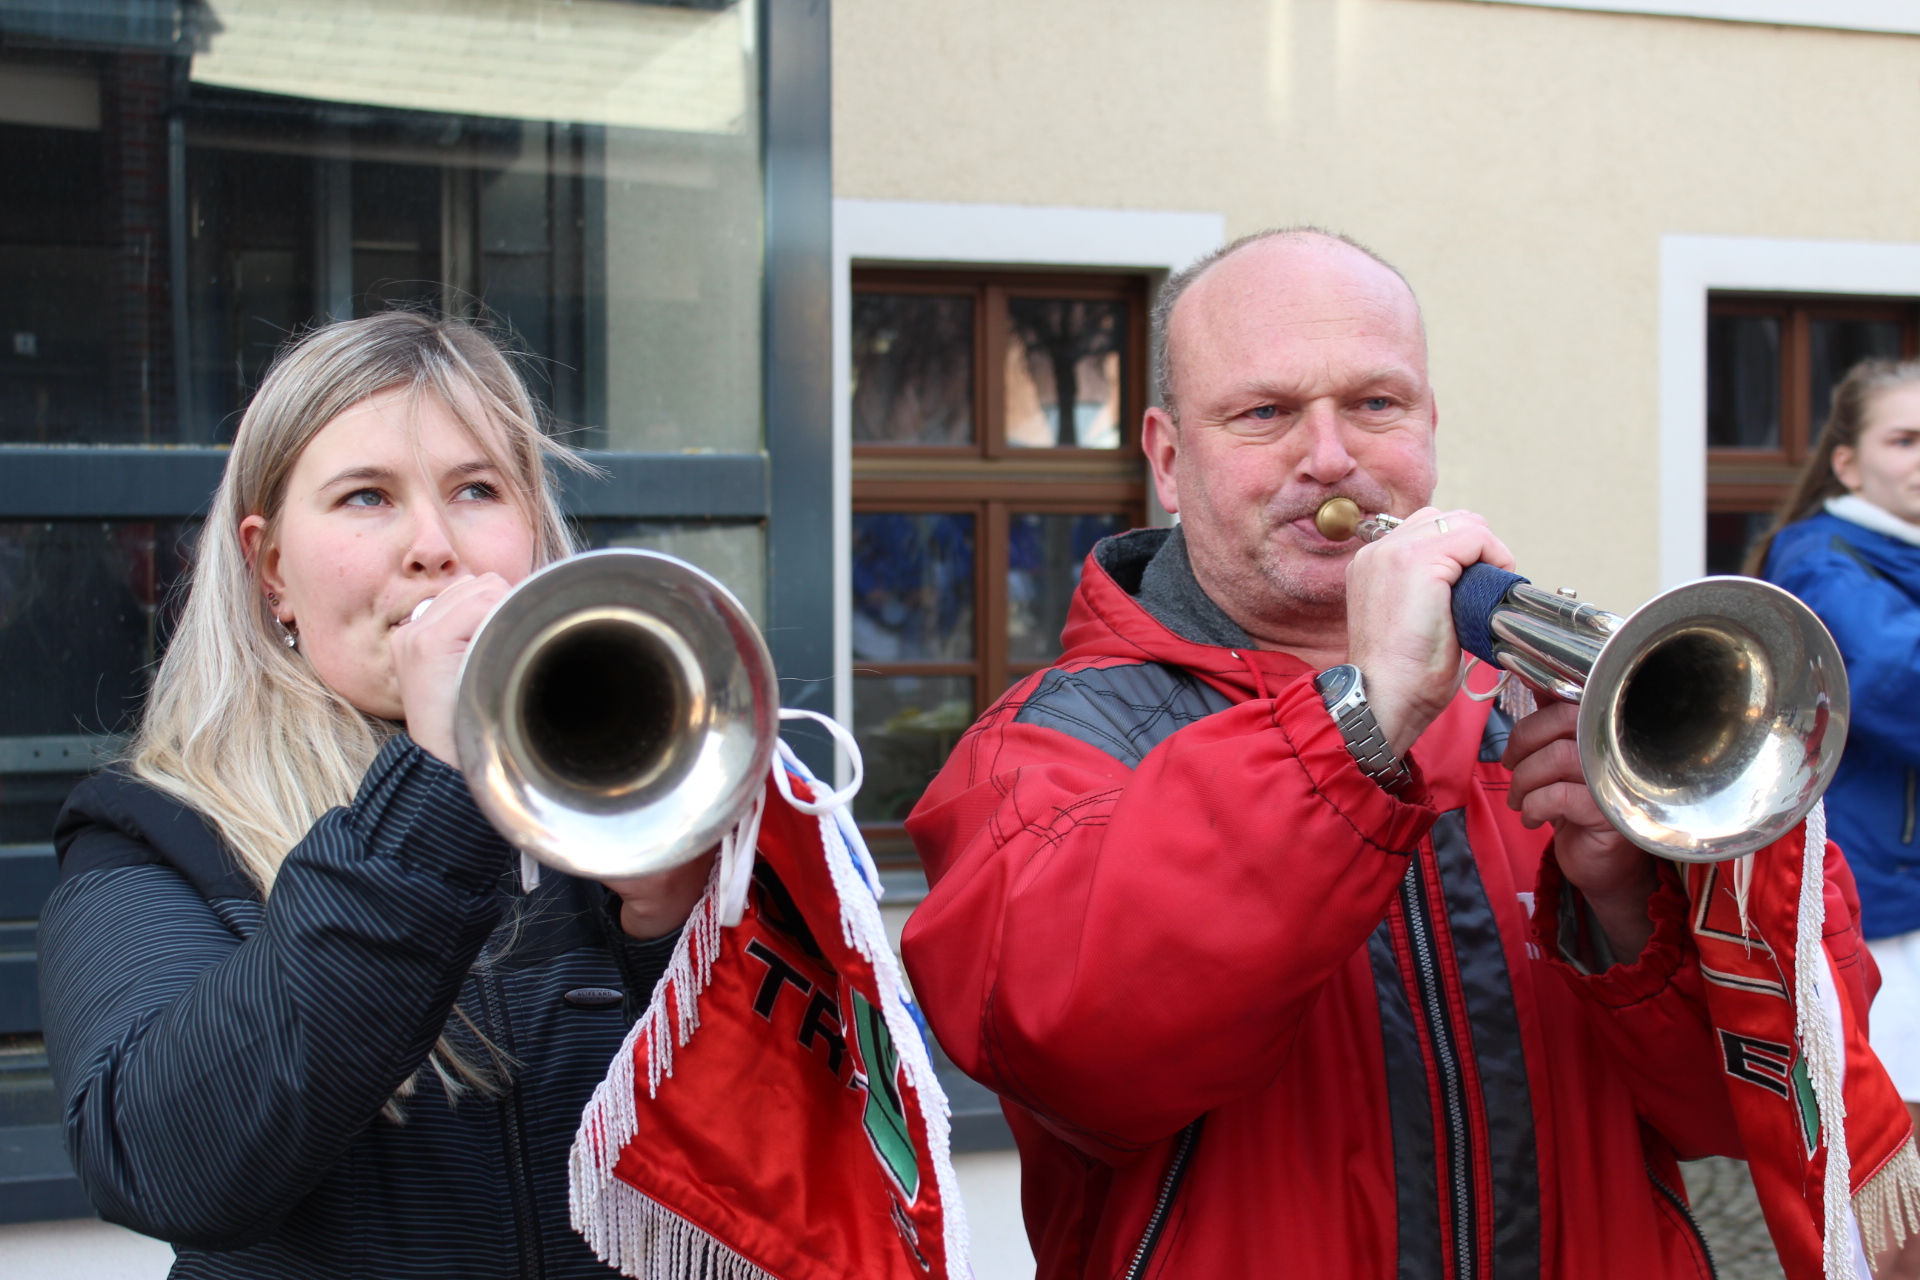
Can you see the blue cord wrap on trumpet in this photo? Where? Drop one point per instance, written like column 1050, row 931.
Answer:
column 1475, row 596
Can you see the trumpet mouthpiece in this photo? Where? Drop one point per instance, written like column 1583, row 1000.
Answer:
column 1338, row 519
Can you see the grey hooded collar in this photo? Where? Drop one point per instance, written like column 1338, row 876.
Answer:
column 1170, row 592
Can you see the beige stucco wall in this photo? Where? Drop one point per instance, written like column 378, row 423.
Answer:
column 1520, row 164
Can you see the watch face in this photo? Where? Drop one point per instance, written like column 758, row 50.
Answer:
column 1336, row 683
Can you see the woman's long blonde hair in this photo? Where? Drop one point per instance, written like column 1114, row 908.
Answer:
column 237, row 726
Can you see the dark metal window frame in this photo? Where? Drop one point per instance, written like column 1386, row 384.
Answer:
column 787, row 488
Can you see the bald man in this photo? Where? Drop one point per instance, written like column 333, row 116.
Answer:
column 1286, row 958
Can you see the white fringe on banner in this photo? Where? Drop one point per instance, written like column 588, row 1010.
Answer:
column 1826, row 1063
column 656, row 1242
column 635, row 1234
column 1517, row 700
column 1888, row 1206
column 858, row 887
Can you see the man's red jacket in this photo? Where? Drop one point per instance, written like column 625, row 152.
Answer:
column 1250, row 1015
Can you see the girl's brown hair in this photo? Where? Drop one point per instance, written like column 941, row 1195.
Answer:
column 1853, row 397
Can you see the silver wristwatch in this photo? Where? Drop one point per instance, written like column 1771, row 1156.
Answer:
column 1345, row 694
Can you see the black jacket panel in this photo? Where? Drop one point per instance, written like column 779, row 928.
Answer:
column 223, row 1062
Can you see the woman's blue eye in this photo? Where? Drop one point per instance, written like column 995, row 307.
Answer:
column 478, row 491
column 363, row 498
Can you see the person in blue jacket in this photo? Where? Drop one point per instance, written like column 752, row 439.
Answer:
column 1848, row 543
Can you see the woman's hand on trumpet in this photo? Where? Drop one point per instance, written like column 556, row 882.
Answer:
column 654, row 906
column 1550, row 788
column 428, row 648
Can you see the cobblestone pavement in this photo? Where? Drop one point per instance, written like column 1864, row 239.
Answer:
column 1729, row 1216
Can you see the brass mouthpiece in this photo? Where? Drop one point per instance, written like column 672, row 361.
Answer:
column 1338, row 519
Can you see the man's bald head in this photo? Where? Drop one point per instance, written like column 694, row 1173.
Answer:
column 1298, row 364
column 1308, row 246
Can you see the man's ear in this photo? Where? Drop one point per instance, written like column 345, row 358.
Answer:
column 1160, row 441
column 262, row 558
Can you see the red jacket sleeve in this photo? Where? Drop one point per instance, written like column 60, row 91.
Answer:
column 1122, row 950
column 1845, row 943
column 1652, row 1013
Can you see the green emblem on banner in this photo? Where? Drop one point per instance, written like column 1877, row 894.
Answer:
column 1809, row 1105
column 886, row 1116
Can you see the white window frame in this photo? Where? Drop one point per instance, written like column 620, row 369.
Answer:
column 1691, row 266
column 923, row 234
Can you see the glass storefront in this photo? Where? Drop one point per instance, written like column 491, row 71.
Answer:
column 586, row 174
column 190, row 184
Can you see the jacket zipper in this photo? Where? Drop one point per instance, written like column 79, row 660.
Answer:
column 1677, row 1201
column 513, row 1133
column 1169, row 1188
column 1440, row 1032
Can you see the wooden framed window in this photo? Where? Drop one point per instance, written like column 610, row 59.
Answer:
column 1772, row 362
column 995, row 440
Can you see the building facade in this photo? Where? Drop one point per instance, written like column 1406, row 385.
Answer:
column 1648, row 237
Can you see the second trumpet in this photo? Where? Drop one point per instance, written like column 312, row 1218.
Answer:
column 1711, row 718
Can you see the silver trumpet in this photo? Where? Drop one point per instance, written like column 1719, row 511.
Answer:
column 617, row 713
column 1711, row 718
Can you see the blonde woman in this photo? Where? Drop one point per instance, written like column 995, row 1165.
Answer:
column 301, row 1020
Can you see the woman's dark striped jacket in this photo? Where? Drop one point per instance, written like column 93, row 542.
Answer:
column 223, row 1061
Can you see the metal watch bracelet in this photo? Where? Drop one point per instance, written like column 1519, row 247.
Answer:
column 1345, row 695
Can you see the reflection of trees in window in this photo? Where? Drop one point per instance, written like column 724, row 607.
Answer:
column 989, row 413
column 912, row 368
column 1070, row 350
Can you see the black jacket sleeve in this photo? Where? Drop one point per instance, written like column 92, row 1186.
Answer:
column 209, row 1082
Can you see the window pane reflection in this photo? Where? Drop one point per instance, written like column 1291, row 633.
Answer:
column 1045, row 554
column 1835, row 346
column 912, row 369
column 1743, row 382
column 905, row 725
column 82, row 617
column 733, row 551
column 913, row 587
column 1063, row 373
column 170, row 218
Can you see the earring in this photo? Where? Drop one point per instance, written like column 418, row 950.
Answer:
column 293, row 640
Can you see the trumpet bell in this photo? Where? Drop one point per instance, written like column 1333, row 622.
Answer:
column 1713, row 719
column 616, row 713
